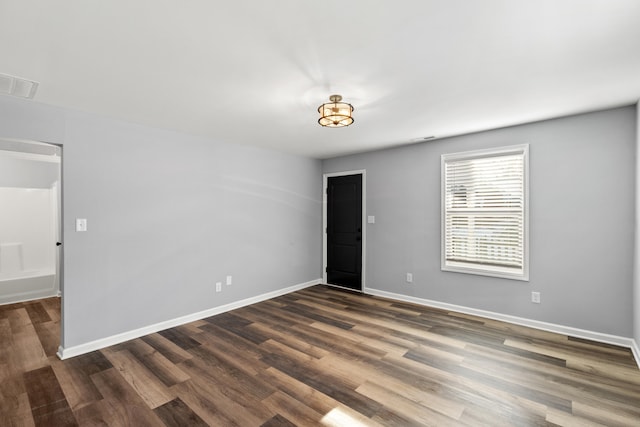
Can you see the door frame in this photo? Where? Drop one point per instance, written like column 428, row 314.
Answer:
column 58, row 221
column 325, row 182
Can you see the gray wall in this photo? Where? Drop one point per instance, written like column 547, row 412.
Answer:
column 168, row 215
column 582, row 203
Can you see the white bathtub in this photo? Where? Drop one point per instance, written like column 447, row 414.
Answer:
column 19, row 284
column 28, row 255
column 27, row 285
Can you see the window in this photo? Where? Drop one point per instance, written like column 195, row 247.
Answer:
column 484, row 212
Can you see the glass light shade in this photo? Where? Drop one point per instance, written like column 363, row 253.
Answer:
column 335, row 114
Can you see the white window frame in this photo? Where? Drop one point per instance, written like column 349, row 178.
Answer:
column 480, row 269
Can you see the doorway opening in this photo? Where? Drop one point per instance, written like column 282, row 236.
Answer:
column 31, row 232
column 344, row 237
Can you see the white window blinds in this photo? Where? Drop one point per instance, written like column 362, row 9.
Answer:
column 484, row 212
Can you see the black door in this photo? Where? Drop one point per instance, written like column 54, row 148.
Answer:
column 344, row 231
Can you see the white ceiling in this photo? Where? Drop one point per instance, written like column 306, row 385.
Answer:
column 254, row 72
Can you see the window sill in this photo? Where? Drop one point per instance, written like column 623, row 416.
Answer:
column 502, row 273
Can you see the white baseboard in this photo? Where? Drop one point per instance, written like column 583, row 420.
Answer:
column 67, row 352
column 536, row 324
column 636, row 351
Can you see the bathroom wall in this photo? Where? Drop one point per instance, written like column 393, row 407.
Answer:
column 28, row 225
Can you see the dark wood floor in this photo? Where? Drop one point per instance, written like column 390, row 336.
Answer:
column 319, row 356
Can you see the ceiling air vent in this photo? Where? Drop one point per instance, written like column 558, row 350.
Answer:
column 16, row 86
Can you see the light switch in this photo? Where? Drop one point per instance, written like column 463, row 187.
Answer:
column 81, row 224
column 371, row 219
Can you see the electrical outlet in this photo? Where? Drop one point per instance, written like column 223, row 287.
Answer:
column 229, row 280
column 409, row 278
column 218, row 286
column 81, row 224
column 535, row 297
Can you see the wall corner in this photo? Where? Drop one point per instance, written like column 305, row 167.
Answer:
column 636, row 255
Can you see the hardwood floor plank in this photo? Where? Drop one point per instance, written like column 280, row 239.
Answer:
column 377, row 332
column 314, row 296
column 391, row 418
column 338, row 388
column 600, row 347
column 14, row 405
column 122, row 405
column 90, row 363
column 49, row 335
column 348, row 347
column 178, row 414
column 423, row 393
column 413, row 410
column 167, row 348
column 179, row 338
column 312, row 314
column 48, row 403
column 280, row 333
column 240, row 345
column 29, row 354
column 318, row 401
column 274, row 312
column 580, row 360
column 297, row 357
column 155, row 362
column 7, row 353
column 248, row 363
column 496, row 382
column 204, row 404
column 74, row 376
column 140, row 378
column 18, row 318
column 280, row 329
column 163, row 369
column 59, row 415
column 318, row 356
column 223, row 402
column 482, row 401
column 37, row 313
column 567, row 384
column 291, row 409
column 508, row 352
column 238, row 326
column 566, row 420
column 354, row 373
column 612, row 353
column 591, row 411
column 360, row 338
column 236, row 381
column 570, row 350
column 105, row 412
column 18, row 422
column 52, row 305
column 277, row 421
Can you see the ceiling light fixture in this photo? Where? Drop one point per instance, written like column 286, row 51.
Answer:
column 335, row 114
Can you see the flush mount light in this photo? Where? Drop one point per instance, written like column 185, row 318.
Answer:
column 335, row 114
